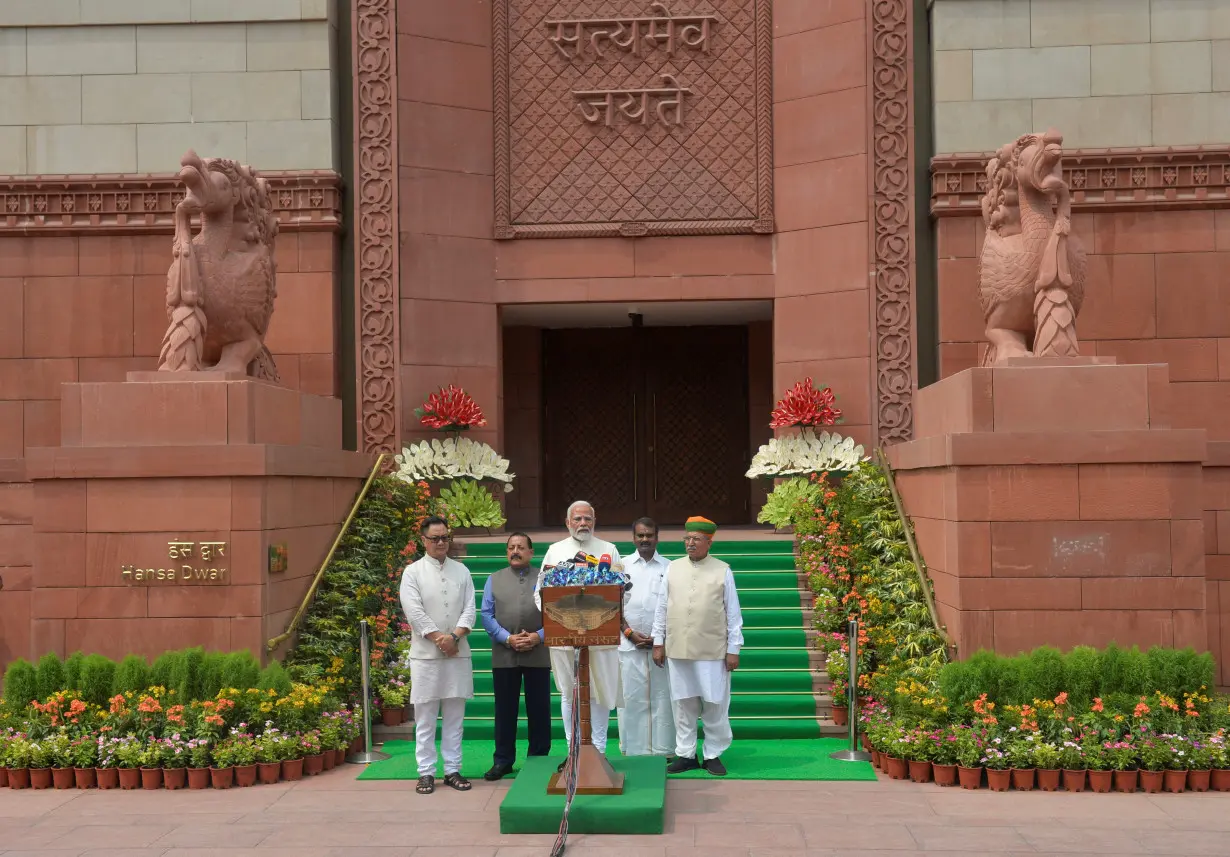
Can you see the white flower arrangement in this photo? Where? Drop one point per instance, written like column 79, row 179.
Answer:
column 806, row 452
column 450, row 459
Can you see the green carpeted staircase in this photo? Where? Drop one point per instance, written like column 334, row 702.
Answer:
column 778, row 690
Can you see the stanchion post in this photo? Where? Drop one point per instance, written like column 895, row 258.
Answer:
column 368, row 755
column 854, row 754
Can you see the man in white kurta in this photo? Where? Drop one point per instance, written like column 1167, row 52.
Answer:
column 646, row 722
column 437, row 595
column 697, row 633
column 603, row 660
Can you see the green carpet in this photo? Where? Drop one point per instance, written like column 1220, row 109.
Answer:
column 641, row 809
column 771, row 692
column 775, row 759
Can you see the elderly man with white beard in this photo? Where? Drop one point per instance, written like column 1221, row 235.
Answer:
column 605, row 692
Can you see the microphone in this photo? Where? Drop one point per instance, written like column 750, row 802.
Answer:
column 580, row 558
column 604, row 564
column 591, row 560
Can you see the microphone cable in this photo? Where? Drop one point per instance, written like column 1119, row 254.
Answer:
column 574, row 754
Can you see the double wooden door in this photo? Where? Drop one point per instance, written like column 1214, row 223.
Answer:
column 647, row 421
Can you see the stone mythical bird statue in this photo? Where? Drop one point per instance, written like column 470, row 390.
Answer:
column 1031, row 275
column 222, row 281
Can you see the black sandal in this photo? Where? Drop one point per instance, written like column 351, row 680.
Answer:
column 458, row 782
column 427, row 785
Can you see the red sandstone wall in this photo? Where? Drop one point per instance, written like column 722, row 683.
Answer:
column 92, row 308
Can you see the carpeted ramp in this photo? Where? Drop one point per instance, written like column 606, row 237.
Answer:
column 641, row 809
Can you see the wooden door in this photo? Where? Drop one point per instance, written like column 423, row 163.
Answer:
column 647, row 421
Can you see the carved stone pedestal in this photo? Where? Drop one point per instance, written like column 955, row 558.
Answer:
column 184, row 509
column 1054, row 505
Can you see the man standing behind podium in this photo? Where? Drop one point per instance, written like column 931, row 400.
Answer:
column 697, row 634
column 603, row 660
column 514, row 624
column 646, row 722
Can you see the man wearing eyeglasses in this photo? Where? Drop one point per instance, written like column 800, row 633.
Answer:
column 437, row 595
column 697, row 635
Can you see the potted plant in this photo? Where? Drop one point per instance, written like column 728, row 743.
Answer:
column 270, row 751
column 1122, row 758
column 898, row 745
column 1047, row 760
column 1021, row 756
column 1072, row 759
column 151, row 764
column 1220, row 759
column 83, row 753
column 57, row 749
column 313, row 759
column 1200, row 763
column 175, row 758
column 6, row 735
column 918, row 756
column 222, row 771
column 198, row 763
column 330, row 738
column 1098, row 764
column 17, row 755
column 394, row 695
column 106, row 771
column 1174, row 778
column 944, row 764
column 292, row 759
column 1154, row 757
column 40, row 765
column 243, row 757
column 969, row 758
column 998, row 765
column 129, row 754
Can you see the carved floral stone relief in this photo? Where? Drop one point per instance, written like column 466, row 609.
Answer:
column 633, row 117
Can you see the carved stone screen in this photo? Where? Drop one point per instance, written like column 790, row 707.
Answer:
column 633, row 117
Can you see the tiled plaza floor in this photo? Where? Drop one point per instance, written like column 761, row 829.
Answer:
column 336, row 815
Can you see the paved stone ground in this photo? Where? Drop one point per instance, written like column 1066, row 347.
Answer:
column 336, row 816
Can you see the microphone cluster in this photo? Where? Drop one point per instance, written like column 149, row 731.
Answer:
column 586, row 570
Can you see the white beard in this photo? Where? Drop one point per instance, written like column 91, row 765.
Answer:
column 581, row 538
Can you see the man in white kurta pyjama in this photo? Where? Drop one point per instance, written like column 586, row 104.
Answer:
column 646, row 722
column 437, row 595
column 697, row 633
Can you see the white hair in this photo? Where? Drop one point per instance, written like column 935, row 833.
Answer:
column 575, row 504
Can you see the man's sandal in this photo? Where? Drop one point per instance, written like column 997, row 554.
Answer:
column 457, row 781
column 426, row 785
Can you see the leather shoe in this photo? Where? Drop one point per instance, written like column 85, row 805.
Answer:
column 497, row 772
column 715, row 767
column 683, row 763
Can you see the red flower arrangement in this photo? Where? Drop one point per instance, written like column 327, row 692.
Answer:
column 451, row 409
column 804, row 405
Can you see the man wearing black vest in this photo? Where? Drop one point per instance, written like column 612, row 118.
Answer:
column 514, row 623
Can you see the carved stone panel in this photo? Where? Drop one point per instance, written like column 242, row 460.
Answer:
column 633, row 117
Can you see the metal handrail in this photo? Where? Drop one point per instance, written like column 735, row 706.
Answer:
column 923, row 582
column 320, row 573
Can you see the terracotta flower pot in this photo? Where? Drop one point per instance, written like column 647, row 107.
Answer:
column 1099, row 781
column 1073, row 781
column 270, row 772
column 63, row 778
column 920, row 772
column 221, row 778
column 407, row 712
column 292, row 769
column 4, row 777
column 151, row 778
column 945, row 775
column 865, row 742
column 1125, row 781
column 85, row 778
column 19, row 778
column 1174, row 781
column 339, row 756
column 313, row 765
column 999, row 780
column 875, row 758
column 1023, row 779
column 841, row 715
column 970, row 778
column 896, row 768
column 107, row 778
column 40, row 778
column 1048, row 779
column 1220, row 780
column 329, row 758
column 245, row 775
column 1198, row 781
column 356, row 745
column 391, row 716
column 130, row 778
column 174, row 778
column 1151, row 781
column 198, row 778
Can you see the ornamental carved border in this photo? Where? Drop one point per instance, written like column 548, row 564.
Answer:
column 891, row 57
column 375, row 222
column 1101, row 179
column 759, row 217
column 126, row 204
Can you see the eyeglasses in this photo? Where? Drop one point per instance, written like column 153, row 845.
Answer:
column 438, row 540
column 691, row 539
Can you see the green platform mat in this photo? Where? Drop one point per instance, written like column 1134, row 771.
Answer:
column 641, row 809
column 764, row 759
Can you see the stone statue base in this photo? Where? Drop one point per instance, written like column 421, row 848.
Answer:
column 1054, row 505
column 184, row 510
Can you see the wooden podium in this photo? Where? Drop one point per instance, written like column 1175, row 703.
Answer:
column 580, row 617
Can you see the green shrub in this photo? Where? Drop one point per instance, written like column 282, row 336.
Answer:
column 49, row 675
column 97, row 679
column 240, row 670
column 165, row 670
column 131, row 675
column 274, row 677
column 72, row 671
column 1081, row 668
column 20, row 683
column 211, row 674
column 1043, row 675
column 189, row 686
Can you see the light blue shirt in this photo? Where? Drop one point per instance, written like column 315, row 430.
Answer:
column 495, row 631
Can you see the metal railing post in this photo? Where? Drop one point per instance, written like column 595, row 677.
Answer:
column 368, row 755
column 854, row 754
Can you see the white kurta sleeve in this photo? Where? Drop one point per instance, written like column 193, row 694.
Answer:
column 412, row 604
column 659, row 613
column 468, row 613
column 734, row 616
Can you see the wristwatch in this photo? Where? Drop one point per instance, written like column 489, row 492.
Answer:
column 456, row 639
